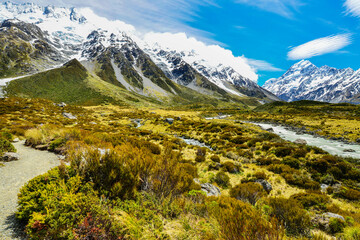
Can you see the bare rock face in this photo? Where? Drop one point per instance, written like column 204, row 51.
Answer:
column 42, row 147
column 210, row 190
column 265, row 184
column 10, row 156
column 300, row 141
column 69, row 115
column 323, row 220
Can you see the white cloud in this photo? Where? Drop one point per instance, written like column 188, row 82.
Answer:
column 165, row 19
column 353, row 7
column 214, row 55
column 145, row 15
column 320, row 46
column 284, row 8
column 261, row 65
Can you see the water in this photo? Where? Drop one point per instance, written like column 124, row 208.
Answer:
column 331, row 146
column 194, row 142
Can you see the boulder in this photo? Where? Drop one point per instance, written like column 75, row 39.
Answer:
column 169, row 120
column 324, row 187
column 300, row 141
column 61, row 104
column 210, row 189
column 10, row 156
column 334, row 215
column 42, row 147
column 265, row 184
column 69, row 115
column 15, row 140
column 349, row 150
column 270, row 130
column 358, row 140
column 323, row 220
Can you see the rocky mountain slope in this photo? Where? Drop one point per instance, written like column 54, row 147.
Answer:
column 305, row 81
column 44, row 37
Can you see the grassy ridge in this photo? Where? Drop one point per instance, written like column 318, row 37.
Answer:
column 67, row 84
column 73, row 84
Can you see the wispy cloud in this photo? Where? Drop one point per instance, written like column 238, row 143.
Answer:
column 261, row 65
column 353, row 7
column 164, row 18
column 285, row 8
column 145, row 15
column 320, row 46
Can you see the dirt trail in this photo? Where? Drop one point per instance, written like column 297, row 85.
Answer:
column 12, row 177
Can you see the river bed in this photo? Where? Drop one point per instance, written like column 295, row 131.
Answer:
column 331, row 146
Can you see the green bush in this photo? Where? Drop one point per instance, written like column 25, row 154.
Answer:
column 248, row 192
column 348, row 193
column 8, row 136
column 290, row 213
column 222, row 179
column 260, row 175
column 312, row 199
column 6, row 146
column 57, row 143
column 283, row 151
column 336, row 225
column 55, row 208
column 292, row 162
column 240, row 221
column 199, row 158
column 215, row 158
column 299, row 153
column 231, row 167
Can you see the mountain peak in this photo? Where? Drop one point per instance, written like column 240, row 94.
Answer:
column 305, row 81
column 303, row 64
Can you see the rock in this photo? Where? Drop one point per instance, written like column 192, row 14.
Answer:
column 69, row 115
column 334, row 215
column 10, row 156
column 265, row 184
column 15, row 140
column 42, row 147
column 349, row 150
column 210, row 189
column 27, row 142
column 169, row 120
column 61, row 104
column 300, row 141
column 324, row 187
column 215, row 166
column 323, row 220
column 358, row 140
column 270, row 130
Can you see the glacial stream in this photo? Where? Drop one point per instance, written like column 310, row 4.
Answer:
column 331, row 146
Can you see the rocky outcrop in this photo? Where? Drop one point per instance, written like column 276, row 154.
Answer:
column 323, row 220
column 210, row 189
column 300, row 141
column 9, row 156
column 265, row 184
column 69, row 115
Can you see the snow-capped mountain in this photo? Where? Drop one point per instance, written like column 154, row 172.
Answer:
column 117, row 47
column 305, row 81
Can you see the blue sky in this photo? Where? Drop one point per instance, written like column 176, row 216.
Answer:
column 271, row 34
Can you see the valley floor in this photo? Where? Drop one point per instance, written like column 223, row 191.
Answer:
column 129, row 173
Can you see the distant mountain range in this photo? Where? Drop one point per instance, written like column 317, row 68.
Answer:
column 35, row 39
column 305, row 81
